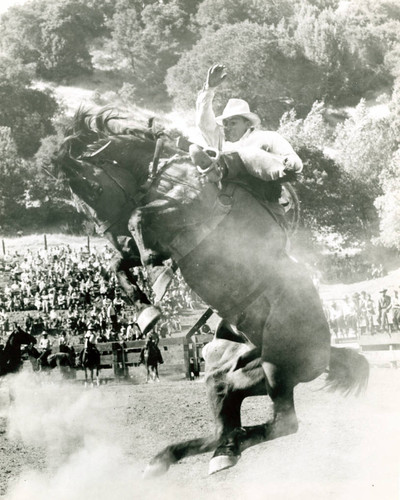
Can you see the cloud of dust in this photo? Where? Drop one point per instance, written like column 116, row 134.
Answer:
column 83, row 460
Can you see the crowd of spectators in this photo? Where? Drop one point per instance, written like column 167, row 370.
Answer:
column 361, row 314
column 344, row 268
column 66, row 290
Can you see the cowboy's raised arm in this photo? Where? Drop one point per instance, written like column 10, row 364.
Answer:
column 205, row 117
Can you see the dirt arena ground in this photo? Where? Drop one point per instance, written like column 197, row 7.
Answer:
column 62, row 441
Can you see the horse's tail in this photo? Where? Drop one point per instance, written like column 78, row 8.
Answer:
column 348, row 371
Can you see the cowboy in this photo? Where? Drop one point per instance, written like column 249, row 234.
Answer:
column 89, row 342
column 266, row 155
column 62, row 342
column 90, row 337
column 44, row 347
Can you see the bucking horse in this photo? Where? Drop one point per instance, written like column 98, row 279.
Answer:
column 231, row 250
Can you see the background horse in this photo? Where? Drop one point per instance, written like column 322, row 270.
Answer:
column 64, row 360
column 90, row 361
column 10, row 355
column 231, row 251
column 150, row 356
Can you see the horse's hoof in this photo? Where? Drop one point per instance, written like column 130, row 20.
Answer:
column 222, row 462
column 155, row 469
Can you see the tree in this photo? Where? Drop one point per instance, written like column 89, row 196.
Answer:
column 12, row 185
column 20, row 31
column 151, row 39
column 330, row 200
column 54, row 36
column 309, row 132
column 388, row 205
column 365, row 146
column 263, row 67
column 25, row 110
column 66, row 28
column 213, row 14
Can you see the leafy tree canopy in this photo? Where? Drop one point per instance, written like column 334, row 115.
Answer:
column 25, row 110
column 365, row 147
column 213, row 14
column 263, row 67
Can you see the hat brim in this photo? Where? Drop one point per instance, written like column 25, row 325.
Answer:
column 252, row 117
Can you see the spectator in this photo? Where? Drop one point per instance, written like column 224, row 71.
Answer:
column 384, row 307
column 44, row 347
column 396, row 311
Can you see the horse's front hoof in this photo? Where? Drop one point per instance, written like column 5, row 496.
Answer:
column 222, row 462
column 228, row 452
column 155, row 469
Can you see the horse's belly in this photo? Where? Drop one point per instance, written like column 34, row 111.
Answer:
column 236, row 257
column 241, row 269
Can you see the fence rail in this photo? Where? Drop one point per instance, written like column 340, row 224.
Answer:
column 120, row 356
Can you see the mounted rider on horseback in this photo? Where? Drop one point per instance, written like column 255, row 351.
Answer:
column 89, row 345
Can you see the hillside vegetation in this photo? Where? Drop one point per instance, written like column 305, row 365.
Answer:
column 299, row 63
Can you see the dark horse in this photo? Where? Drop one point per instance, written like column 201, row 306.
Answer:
column 230, row 249
column 151, row 357
column 90, row 361
column 10, row 355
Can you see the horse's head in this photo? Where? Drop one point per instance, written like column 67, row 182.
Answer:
column 105, row 166
column 19, row 337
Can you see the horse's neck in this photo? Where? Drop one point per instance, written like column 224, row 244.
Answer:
column 11, row 344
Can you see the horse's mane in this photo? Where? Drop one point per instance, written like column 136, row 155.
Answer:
column 90, row 131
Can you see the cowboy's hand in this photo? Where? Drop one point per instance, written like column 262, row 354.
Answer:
column 215, row 75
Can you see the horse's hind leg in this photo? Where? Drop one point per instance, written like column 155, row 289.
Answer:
column 226, row 389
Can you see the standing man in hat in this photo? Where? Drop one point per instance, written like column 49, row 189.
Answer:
column 265, row 154
column 384, row 306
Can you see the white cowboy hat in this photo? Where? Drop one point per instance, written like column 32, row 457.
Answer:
column 238, row 107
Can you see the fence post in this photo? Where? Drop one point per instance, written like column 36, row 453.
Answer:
column 4, row 247
column 125, row 368
column 45, row 242
column 88, row 243
column 186, row 357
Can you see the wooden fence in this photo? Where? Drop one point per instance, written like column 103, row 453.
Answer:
column 179, row 351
